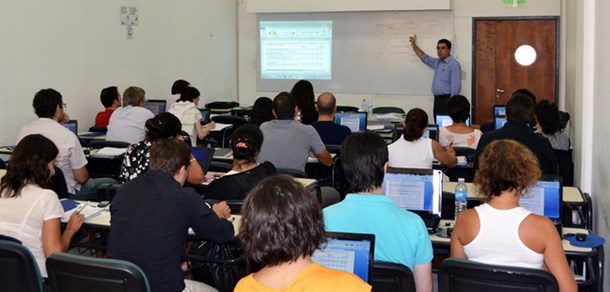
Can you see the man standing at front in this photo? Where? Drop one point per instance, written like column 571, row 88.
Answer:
column 447, row 73
column 151, row 216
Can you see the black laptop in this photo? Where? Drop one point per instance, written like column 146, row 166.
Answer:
column 203, row 155
column 348, row 252
column 417, row 190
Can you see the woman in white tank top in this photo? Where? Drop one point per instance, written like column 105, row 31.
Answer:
column 501, row 232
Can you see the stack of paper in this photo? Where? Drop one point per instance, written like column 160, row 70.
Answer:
column 109, row 152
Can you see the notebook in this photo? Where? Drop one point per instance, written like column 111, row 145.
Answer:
column 445, row 120
column 417, row 190
column 354, row 121
column 156, row 106
column 544, row 198
column 348, row 252
column 72, row 125
column 203, row 155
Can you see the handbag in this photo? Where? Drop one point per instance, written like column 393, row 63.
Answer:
column 218, row 265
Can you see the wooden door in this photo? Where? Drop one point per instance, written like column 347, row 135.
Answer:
column 496, row 72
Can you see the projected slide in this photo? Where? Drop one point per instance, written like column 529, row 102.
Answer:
column 296, row 49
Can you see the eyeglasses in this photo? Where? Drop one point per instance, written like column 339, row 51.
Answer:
column 63, row 105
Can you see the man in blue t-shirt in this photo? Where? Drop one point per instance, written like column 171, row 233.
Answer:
column 330, row 132
column 400, row 235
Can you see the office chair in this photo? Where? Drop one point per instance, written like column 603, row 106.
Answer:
column 387, row 110
column 463, row 171
column 457, row 275
column 347, row 109
column 391, row 277
column 98, row 129
column 98, row 144
column 225, row 134
column 217, row 107
column 106, row 192
column 220, row 166
column 18, row 268
column 69, row 272
column 2, row 164
column 59, row 185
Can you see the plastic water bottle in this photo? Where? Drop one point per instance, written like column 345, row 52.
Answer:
column 461, row 196
column 364, row 105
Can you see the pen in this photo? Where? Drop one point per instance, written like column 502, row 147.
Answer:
column 82, row 206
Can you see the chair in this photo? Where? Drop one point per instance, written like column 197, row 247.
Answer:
column 347, row 109
column 391, row 277
column 69, row 272
column 106, row 192
column 225, row 134
column 217, row 107
column 98, row 129
column 329, row 196
column 566, row 166
column 292, row 172
column 463, row 171
column 387, row 110
column 18, row 268
column 59, row 185
column 220, row 166
column 2, row 164
column 457, row 275
column 96, row 144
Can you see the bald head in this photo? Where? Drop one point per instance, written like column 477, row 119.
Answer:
column 326, row 104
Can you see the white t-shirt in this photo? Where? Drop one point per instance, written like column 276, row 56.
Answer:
column 188, row 114
column 416, row 154
column 128, row 124
column 470, row 140
column 71, row 155
column 22, row 218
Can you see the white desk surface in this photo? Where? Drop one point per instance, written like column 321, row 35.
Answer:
column 565, row 230
column 570, row 194
column 2, row 172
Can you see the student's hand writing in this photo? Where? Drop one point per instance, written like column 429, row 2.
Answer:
column 222, row 210
column 211, row 125
column 75, row 222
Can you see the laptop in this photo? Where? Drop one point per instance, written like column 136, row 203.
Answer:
column 348, row 252
column 156, row 106
column 499, row 110
column 205, row 115
column 72, row 125
column 544, row 198
column 417, row 190
column 203, row 155
column 445, row 120
column 432, row 132
column 354, row 121
column 499, row 122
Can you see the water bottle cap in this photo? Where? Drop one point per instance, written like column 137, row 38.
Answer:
column 461, row 179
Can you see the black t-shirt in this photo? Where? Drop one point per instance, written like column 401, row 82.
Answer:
column 237, row 186
column 331, row 133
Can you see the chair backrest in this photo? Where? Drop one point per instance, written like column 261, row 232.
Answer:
column 221, row 106
column 106, row 192
column 347, row 109
column 292, row 172
column 69, row 272
column 457, row 275
column 59, row 185
column 392, row 277
column 18, row 269
column 98, row 129
column 103, row 143
column 387, row 110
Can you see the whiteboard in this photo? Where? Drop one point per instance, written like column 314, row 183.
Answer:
column 372, row 53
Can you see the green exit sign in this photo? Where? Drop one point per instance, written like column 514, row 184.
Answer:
column 514, row 3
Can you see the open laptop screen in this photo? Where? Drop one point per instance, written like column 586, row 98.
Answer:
column 205, row 115
column 500, row 121
column 499, row 111
column 354, row 121
column 431, row 132
column 544, row 197
column 72, row 125
column 445, row 120
column 203, row 155
column 155, row 106
column 348, row 252
column 415, row 189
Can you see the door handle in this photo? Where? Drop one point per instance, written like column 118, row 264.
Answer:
column 499, row 92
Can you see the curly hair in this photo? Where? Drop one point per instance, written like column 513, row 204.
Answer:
column 281, row 222
column 505, row 165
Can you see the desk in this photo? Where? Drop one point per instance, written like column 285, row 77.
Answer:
column 571, row 195
column 2, row 172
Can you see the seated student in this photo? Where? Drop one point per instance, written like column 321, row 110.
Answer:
column 186, row 110
column 400, row 235
column 111, row 99
column 127, row 123
column 519, row 112
column 137, row 156
column 287, row 142
column 500, row 232
column 281, row 227
column 262, row 111
column 246, row 143
column 548, row 123
column 49, row 108
column 29, row 211
column 459, row 134
column 151, row 216
column 412, row 150
column 330, row 132
column 302, row 91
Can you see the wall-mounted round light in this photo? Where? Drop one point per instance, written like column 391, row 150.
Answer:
column 525, row 55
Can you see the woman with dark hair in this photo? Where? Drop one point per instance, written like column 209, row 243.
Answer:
column 281, row 227
column 548, row 123
column 246, row 143
column 459, row 134
column 412, row 150
column 500, row 232
column 162, row 126
column 305, row 98
column 262, row 111
column 189, row 115
column 29, row 210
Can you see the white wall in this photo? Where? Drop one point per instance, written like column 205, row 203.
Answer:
column 464, row 10
column 79, row 47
